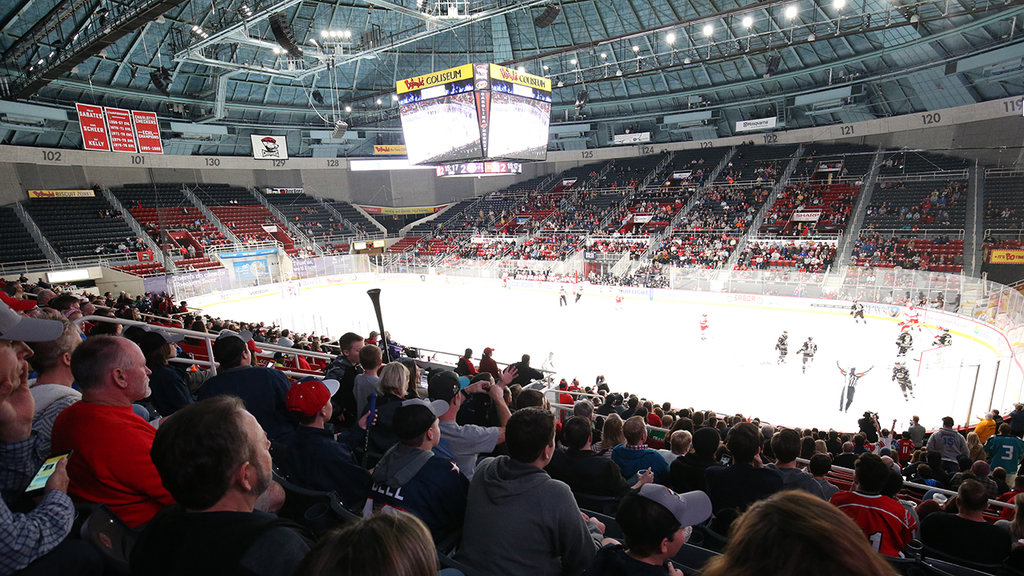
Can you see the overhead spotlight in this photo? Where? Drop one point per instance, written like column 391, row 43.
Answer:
column 394, row 97
column 161, row 79
column 618, row 72
column 572, row 61
column 324, row 33
column 521, row 69
column 545, row 67
column 838, row 4
column 636, row 49
column 282, row 31
column 348, row 108
column 686, row 60
column 318, row 97
column 547, row 17
column 670, row 38
column 748, row 21
column 811, row 37
column 791, row 11
column 709, row 30
column 604, row 55
column 340, row 127
column 379, row 102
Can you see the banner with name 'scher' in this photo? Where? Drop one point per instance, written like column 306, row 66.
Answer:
column 94, row 129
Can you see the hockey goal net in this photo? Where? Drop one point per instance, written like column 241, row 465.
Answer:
column 934, row 359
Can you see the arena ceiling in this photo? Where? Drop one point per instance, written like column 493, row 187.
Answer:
column 684, row 69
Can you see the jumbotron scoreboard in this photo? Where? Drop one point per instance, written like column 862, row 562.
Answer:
column 475, row 112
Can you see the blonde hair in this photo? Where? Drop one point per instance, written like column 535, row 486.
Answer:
column 820, row 447
column 1017, row 526
column 680, row 441
column 973, row 439
column 394, row 379
column 611, row 434
column 396, row 544
column 795, row 534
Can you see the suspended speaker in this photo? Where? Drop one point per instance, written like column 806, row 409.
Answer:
column 282, row 31
column 547, row 18
column 340, row 127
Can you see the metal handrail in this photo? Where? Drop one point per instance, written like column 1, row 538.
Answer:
column 922, row 176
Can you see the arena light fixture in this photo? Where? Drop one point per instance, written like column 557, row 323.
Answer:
column 709, row 30
column 348, row 108
column 573, row 61
column 670, row 38
column 394, row 97
column 838, row 4
column 791, row 11
column 545, row 67
column 379, row 101
column 748, row 21
column 604, row 55
column 636, row 49
column 687, row 60
column 521, row 69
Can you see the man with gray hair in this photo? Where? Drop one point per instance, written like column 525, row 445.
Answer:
column 52, row 391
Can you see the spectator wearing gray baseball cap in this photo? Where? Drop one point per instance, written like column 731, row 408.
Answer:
column 656, row 522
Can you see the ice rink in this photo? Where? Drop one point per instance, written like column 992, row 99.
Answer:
column 654, row 349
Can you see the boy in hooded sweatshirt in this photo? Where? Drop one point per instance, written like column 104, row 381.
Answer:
column 409, row 477
column 518, row 519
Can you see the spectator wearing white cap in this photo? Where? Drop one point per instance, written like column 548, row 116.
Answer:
column 315, row 459
column 35, row 542
column 656, row 523
column 262, row 389
column 410, row 477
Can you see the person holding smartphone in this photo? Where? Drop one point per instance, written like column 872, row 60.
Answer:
column 32, row 543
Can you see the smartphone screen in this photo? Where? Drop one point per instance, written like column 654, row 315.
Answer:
column 45, row 472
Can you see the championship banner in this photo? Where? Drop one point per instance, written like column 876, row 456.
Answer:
column 402, row 211
column 1006, row 256
column 61, row 194
column 389, row 149
column 94, row 129
column 464, row 72
column 119, row 126
column 147, row 132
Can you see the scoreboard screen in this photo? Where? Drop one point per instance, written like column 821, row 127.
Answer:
column 479, row 169
column 475, row 112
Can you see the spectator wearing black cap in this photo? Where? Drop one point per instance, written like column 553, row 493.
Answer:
column 168, row 384
column 35, row 542
column 262, row 389
column 314, row 459
column 213, row 457
column 410, row 477
column 462, row 444
column 656, row 523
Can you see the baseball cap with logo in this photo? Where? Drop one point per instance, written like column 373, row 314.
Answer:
column 690, row 508
column 310, row 394
column 24, row 329
column 445, row 385
column 416, row 416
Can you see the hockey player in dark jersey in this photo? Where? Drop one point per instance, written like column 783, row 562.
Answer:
column 904, row 341
column 852, row 376
column 901, row 376
column 857, row 311
column 943, row 339
column 783, row 347
column 808, row 350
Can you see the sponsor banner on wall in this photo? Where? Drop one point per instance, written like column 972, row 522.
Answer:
column 642, row 218
column 269, row 147
column 61, row 194
column 283, row 190
column 756, row 124
column 119, row 128
column 1006, row 256
column 251, row 270
column 389, row 149
column 463, row 72
column 147, row 132
column 247, row 254
column 94, row 130
column 634, row 138
column 521, row 78
column 806, row 216
column 393, row 211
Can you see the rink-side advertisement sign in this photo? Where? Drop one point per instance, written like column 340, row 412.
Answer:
column 118, row 130
column 393, row 211
column 61, row 194
column 1006, row 256
column 463, row 72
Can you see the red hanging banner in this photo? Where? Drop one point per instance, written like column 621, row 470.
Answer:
column 147, row 132
column 94, row 130
column 119, row 125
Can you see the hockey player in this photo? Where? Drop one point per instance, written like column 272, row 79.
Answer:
column 857, row 311
column 852, row 376
column 901, row 376
column 704, row 327
column 904, row 341
column 783, row 347
column 913, row 318
column 579, row 293
column 561, row 297
column 943, row 339
column 808, row 350
column 618, row 299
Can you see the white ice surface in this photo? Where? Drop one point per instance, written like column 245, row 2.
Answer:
column 653, row 349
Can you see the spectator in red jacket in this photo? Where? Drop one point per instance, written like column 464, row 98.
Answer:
column 465, row 366
column 487, row 364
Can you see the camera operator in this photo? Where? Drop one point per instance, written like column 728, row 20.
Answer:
column 869, row 426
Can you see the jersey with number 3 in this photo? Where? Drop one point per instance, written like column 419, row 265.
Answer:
column 887, row 524
column 1005, row 451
